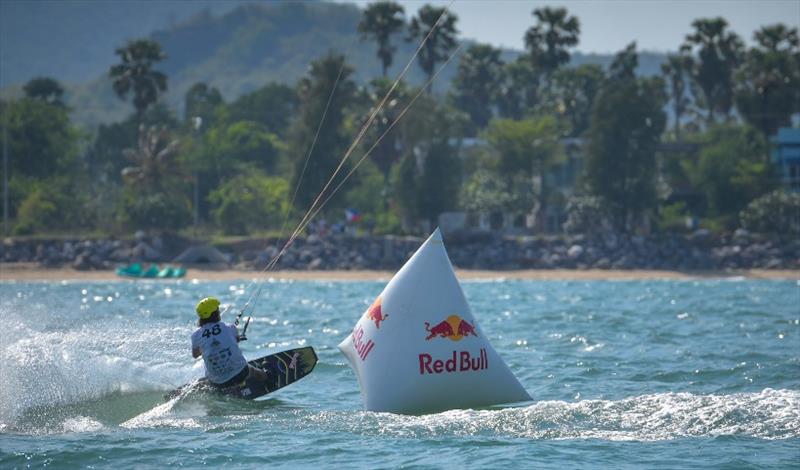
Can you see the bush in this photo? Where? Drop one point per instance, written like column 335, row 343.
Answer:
column 587, row 214
column 673, row 217
column 776, row 212
column 249, row 202
column 387, row 223
column 52, row 205
column 158, row 210
column 34, row 212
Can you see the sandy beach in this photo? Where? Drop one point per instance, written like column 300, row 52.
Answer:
column 33, row 272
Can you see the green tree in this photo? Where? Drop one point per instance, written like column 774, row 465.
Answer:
column 627, row 122
column 380, row 21
column 52, row 204
column 526, row 149
column 440, row 180
column 41, row 140
column 623, row 67
column 153, row 159
column 248, row 202
column 518, row 90
column 159, row 211
column 45, row 89
column 106, row 159
column 425, row 182
column 475, row 87
column 490, row 193
column 271, row 105
column 136, row 74
column 549, row 41
column 730, row 169
column 154, row 196
column 228, row 149
column 387, row 152
column 404, row 189
column 572, row 95
column 364, row 193
column 718, row 55
column 441, row 40
column 201, row 101
column 768, row 83
column 311, row 172
column 232, row 148
column 675, row 71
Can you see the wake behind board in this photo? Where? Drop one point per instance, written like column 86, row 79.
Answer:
column 283, row 368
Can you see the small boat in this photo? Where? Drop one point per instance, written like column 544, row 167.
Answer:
column 136, row 270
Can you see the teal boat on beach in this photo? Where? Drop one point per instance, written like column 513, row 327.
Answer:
column 136, row 270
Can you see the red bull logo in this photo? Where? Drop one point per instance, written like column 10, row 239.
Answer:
column 375, row 313
column 460, row 361
column 453, row 328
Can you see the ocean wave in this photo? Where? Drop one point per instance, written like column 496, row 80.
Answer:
column 769, row 414
column 47, row 369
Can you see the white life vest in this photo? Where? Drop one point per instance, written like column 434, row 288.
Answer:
column 221, row 354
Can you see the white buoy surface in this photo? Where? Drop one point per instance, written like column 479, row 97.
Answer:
column 418, row 348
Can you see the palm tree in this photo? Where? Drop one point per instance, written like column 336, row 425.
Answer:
column 623, row 67
column 768, row 83
column 387, row 153
column 778, row 38
column 719, row 52
column 380, row 21
column 201, row 101
column 477, row 82
column 317, row 147
column 441, row 41
column 549, row 41
column 675, row 69
column 136, row 73
column 519, row 88
column 572, row 95
column 153, row 158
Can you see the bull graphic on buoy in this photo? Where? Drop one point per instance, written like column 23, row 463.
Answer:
column 375, row 313
column 453, row 328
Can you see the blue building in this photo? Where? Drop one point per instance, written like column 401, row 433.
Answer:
column 786, row 157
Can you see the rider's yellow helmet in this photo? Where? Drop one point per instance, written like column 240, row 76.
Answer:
column 206, row 307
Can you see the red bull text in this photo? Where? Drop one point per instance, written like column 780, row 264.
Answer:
column 460, row 361
column 362, row 347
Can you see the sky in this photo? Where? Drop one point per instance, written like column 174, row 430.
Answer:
column 607, row 26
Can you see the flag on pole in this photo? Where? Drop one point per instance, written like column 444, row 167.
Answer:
column 352, row 216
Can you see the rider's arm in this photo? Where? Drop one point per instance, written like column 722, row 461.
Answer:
column 236, row 334
column 196, row 351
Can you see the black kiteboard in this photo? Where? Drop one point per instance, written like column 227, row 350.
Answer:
column 283, row 368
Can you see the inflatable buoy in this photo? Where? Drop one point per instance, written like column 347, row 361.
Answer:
column 418, row 348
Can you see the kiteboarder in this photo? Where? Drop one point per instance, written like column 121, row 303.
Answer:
column 217, row 342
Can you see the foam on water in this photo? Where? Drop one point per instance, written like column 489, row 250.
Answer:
column 770, row 414
column 53, row 368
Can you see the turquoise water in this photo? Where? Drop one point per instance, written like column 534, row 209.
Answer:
column 625, row 374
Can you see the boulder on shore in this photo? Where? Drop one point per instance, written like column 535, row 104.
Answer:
column 204, row 254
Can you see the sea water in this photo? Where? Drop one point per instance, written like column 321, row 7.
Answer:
column 624, row 374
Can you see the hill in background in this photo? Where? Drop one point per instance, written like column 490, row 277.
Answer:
column 234, row 46
column 74, row 40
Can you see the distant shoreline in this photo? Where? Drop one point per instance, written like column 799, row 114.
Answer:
column 33, row 272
